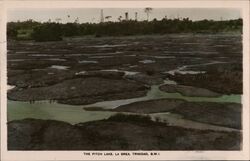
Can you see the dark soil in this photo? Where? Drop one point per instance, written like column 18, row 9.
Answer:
column 188, row 91
column 29, row 63
column 115, row 134
column 222, row 114
column 81, row 91
column 226, row 82
column 83, row 81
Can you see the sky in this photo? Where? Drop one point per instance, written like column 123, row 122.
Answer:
column 93, row 15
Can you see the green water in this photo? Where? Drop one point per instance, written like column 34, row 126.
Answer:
column 44, row 110
column 75, row 114
column 155, row 93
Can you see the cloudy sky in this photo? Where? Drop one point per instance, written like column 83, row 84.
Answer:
column 93, row 15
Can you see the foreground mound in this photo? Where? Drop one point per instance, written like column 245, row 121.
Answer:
column 222, row 114
column 119, row 132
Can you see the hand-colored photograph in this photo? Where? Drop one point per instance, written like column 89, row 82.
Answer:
column 124, row 79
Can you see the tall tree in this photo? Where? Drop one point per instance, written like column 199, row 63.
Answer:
column 108, row 17
column 119, row 18
column 148, row 10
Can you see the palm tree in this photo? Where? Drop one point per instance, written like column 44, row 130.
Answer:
column 148, row 10
column 68, row 18
column 126, row 16
column 108, row 17
column 119, row 18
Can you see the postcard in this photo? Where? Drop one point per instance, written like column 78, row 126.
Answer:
column 124, row 80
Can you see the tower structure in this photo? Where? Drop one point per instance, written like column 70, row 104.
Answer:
column 101, row 17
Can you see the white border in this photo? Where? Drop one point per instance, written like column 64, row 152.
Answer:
column 164, row 155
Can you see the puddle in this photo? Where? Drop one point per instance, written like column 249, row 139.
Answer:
column 164, row 57
column 116, row 70
column 119, row 52
column 100, row 57
column 147, row 61
column 60, row 67
column 182, row 69
column 56, row 59
column 191, row 72
column 80, row 73
column 42, row 55
column 69, row 55
column 133, row 66
column 191, row 43
column 38, row 69
column 25, row 52
column 88, row 62
column 108, row 46
column 9, row 87
column 103, row 54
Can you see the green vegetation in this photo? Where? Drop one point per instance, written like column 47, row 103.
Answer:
column 21, row 30
column 47, row 32
column 24, row 34
column 51, row 31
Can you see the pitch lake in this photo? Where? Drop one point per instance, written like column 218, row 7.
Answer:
column 75, row 113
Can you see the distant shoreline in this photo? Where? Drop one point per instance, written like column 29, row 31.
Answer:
column 55, row 31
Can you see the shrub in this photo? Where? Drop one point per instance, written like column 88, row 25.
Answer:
column 12, row 33
column 47, row 32
column 70, row 29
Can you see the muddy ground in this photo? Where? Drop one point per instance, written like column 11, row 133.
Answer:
column 188, row 90
column 222, row 114
column 81, row 71
column 151, row 58
column 115, row 134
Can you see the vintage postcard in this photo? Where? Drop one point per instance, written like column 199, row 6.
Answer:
column 124, row 80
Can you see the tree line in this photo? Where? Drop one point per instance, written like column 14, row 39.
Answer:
column 53, row 31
